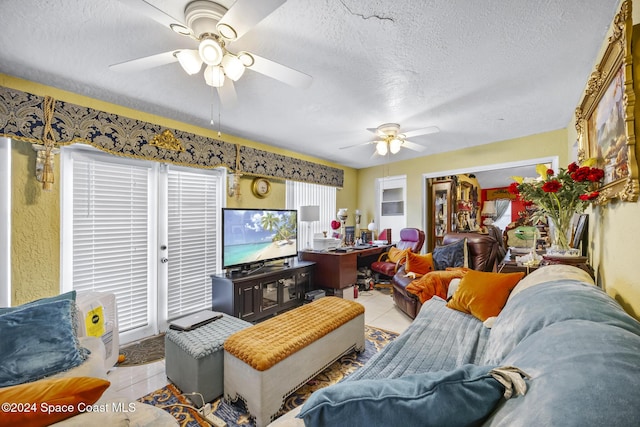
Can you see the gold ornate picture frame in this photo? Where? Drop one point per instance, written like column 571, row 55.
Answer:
column 605, row 119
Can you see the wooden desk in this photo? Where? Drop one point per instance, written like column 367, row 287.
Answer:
column 339, row 270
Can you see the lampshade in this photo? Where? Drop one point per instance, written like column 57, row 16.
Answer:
column 371, row 226
column 210, row 51
column 489, row 208
column 190, row 60
column 233, row 67
column 214, row 75
column 309, row 213
column 381, row 147
column 394, row 145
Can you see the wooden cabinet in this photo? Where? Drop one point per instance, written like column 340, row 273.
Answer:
column 443, row 198
column 264, row 293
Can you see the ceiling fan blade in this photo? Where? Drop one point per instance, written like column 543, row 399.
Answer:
column 147, row 9
column 412, row 146
column 279, row 72
column 227, row 94
column 355, row 145
column 145, row 63
column 423, row 131
column 244, row 15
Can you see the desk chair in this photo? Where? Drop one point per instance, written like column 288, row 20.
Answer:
column 411, row 238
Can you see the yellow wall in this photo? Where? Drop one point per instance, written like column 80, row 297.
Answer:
column 614, row 229
column 35, row 229
column 530, row 147
column 35, row 246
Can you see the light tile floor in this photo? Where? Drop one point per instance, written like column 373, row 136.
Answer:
column 137, row 381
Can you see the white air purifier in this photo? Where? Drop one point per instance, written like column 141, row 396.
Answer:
column 98, row 316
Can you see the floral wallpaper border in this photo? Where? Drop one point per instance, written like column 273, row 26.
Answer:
column 22, row 118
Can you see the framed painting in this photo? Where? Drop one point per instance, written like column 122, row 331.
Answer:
column 605, row 118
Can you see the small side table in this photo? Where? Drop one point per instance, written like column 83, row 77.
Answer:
column 576, row 261
column 509, row 265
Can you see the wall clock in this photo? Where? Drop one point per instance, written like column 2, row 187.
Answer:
column 261, row 187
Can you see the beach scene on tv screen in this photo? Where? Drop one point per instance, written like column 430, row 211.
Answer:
column 258, row 235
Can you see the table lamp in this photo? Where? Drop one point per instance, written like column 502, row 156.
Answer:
column 342, row 217
column 488, row 212
column 309, row 214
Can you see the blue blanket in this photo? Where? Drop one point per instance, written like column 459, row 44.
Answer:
column 438, row 339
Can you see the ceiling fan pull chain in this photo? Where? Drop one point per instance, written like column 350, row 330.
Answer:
column 219, row 120
column 212, row 106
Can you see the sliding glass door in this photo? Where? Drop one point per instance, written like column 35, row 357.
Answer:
column 142, row 230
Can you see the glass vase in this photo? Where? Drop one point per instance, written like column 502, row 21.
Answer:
column 560, row 233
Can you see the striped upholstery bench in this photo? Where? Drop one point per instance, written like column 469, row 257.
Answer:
column 265, row 363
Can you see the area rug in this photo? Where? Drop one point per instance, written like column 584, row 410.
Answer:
column 142, row 352
column 236, row 414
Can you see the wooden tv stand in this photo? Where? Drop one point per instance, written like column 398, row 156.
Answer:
column 263, row 293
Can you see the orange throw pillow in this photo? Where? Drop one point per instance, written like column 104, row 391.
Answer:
column 434, row 283
column 394, row 255
column 50, row 400
column 419, row 264
column 483, row 294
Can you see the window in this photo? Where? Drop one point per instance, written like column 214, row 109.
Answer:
column 306, row 194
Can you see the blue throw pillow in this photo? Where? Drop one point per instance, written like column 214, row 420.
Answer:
column 37, row 341
column 71, row 295
column 462, row 397
column 451, row 255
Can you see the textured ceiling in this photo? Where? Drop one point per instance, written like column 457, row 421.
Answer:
column 481, row 71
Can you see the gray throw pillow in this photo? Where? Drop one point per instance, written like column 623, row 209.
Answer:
column 451, row 255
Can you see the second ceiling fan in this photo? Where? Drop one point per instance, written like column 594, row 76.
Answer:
column 214, row 28
column 391, row 140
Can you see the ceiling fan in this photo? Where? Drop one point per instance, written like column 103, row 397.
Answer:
column 215, row 27
column 391, row 140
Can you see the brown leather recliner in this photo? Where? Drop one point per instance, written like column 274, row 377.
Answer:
column 483, row 251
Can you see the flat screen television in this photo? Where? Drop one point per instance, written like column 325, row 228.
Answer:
column 256, row 236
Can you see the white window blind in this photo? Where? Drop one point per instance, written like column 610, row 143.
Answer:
column 306, row 194
column 111, row 233
column 192, row 232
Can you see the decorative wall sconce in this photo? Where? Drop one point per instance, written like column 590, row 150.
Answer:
column 44, row 165
column 233, row 184
column 233, row 179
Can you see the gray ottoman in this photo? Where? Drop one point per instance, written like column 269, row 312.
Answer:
column 194, row 360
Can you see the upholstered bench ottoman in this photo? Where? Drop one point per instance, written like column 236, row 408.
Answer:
column 267, row 362
column 194, row 360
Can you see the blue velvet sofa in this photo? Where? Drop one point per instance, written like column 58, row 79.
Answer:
column 579, row 348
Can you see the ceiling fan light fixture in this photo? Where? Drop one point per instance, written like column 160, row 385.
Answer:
column 227, row 31
column 210, row 51
column 381, row 148
column 394, row 145
column 214, row 75
column 246, row 58
column 190, row 60
column 233, row 67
